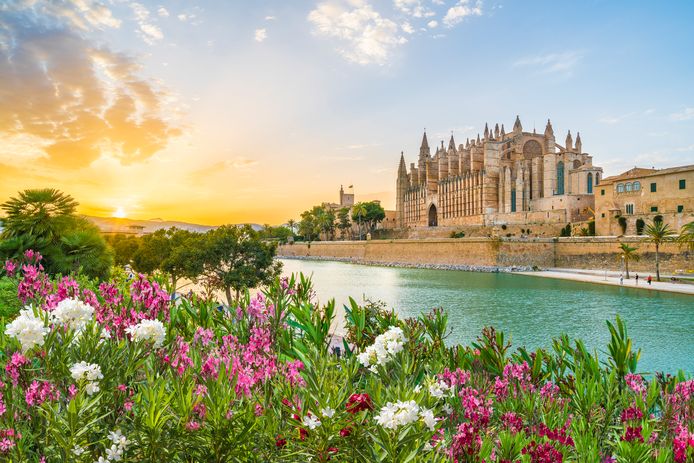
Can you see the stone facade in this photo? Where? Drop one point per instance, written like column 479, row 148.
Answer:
column 641, row 194
column 498, row 179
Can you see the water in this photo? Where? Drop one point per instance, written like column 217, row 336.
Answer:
column 530, row 309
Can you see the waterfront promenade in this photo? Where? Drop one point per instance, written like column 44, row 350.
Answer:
column 612, row 278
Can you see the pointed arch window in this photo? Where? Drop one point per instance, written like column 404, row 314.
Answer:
column 560, row 178
column 590, row 183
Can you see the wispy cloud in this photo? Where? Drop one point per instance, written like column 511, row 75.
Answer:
column 343, row 158
column 362, row 146
column 204, row 174
column 260, row 35
column 149, row 31
column 414, row 8
column 612, row 120
column 112, row 111
column 464, row 8
column 560, row 63
column 365, row 35
column 685, row 115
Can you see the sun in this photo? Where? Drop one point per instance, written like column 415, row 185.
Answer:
column 119, row 213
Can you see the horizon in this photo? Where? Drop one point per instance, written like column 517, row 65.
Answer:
column 226, row 112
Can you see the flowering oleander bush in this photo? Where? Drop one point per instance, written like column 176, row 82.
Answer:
column 116, row 372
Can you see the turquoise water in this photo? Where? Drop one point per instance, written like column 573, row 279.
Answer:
column 530, row 309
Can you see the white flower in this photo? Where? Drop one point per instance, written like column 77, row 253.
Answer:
column 91, row 388
column 428, row 418
column 148, row 330
column 385, row 346
column 311, row 422
column 84, row 370
column 439, row 389
column 328, row 412
column 77, row 450
column 447, row 409
column 428, row 447
column 91, row 372
column 117, row 437
column 417, row 388
column 394, row 415
column 28, row 329
column 73, row 313
column 101, row 460
column 115, row 453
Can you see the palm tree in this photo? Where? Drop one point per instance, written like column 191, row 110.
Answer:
column 658, row 232
column 291, row 223
column 628, row 253
column 686, row 238
column 359, row 212
column 39, row 214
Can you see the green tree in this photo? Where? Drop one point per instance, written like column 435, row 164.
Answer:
column 237, row 258
column 39, row 214
column 308, row 226
column 45, row 220
column 658, row 232
column 374, row 214
column 686, row 238
column 368, row 214
column 291, row 223
column 343, row 222
column 325, row 218
column 627, row 254
column 359, row 213
column 124, row 248
column 177, row 253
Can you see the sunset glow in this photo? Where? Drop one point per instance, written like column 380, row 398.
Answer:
column 119, row 213
column 232, row 112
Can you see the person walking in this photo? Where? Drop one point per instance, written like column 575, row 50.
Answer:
column 621, row 279
column 649, row 279
column 637, row 279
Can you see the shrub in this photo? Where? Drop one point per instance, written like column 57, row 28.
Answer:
column 9, row 304
column 121, row 374
column 459, row 234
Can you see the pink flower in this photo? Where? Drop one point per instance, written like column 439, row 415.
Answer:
column 37, row 393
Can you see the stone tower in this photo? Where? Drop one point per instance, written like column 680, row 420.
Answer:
column 400, row 189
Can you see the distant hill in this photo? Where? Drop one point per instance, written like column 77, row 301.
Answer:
column 130, row 226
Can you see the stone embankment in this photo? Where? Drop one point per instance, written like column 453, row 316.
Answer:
column 466, row 268
column 497, row 254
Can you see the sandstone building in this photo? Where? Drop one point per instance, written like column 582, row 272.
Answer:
column 625, row 203
column 516, row 178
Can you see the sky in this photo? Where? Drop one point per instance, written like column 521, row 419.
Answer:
column 237, row 111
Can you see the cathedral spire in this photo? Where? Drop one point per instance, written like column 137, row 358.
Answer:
column 579, row 144
column 424, row 148
column 496, row 130
column 467, row 143
column 402, row 168
column 451, row 143
column 478, row 139
column 517, row 127
column 548, row 128
column 569, row 142
column 486, row 131
column 503, row 132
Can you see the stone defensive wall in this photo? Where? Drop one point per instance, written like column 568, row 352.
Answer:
column 579, row 253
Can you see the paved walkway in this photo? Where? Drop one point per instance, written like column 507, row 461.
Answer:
column 612, row 278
